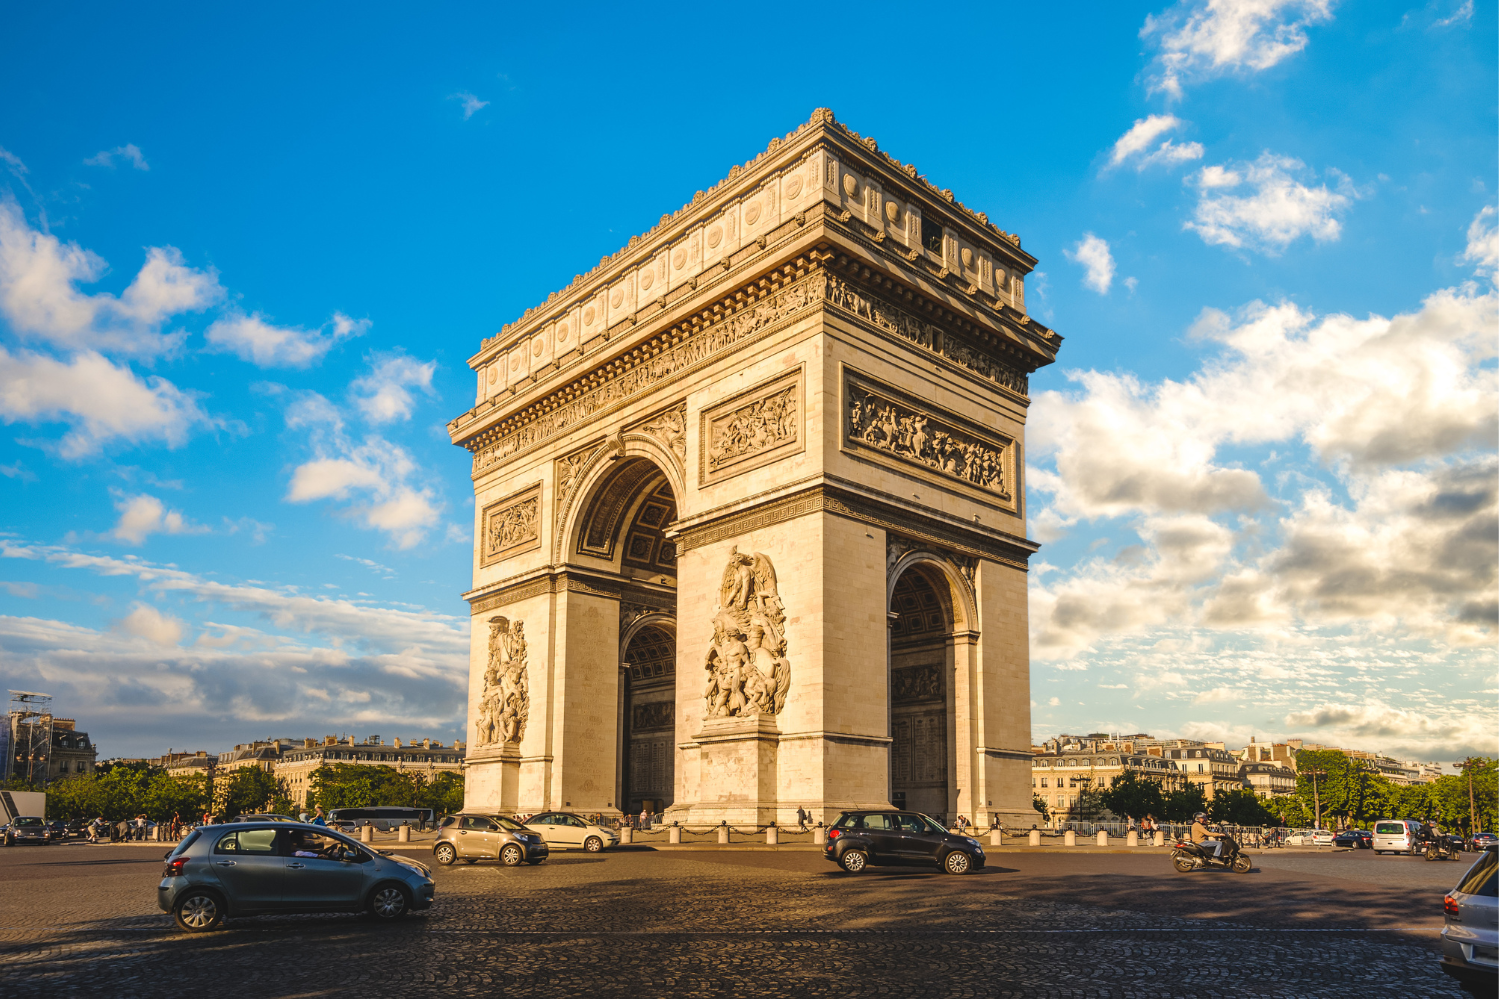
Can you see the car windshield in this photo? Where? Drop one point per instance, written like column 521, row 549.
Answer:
column 506, row 822
column 933, row 824
column 27, row 820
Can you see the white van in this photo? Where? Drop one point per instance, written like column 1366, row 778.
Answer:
column 1396, row 836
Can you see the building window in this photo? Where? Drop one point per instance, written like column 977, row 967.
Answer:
column 931, row 236
column 1043, row 781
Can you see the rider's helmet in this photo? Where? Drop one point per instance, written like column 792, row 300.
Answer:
column 1200, row 817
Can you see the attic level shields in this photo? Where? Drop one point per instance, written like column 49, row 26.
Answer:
column 851, row 173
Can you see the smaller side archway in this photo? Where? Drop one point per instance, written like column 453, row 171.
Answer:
column 647, row 714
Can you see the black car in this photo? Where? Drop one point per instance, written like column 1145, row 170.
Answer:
column 858, row 839
column 1360, row 839
column 59, row 829
column 29, row 829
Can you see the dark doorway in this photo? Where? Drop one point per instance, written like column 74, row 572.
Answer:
column 650, row 675
column 920, row 696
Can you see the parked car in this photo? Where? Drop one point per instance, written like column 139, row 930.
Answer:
column 471, row 837
column 29, row 829
column 1358, row 839
column 1322, row 837
column 1397, row 836
column 382, row 817
column 1299, row 837
column 253, row 868
column 1484, row 839
column 858, row 839
column 58, row 828
column 1470, row 938
column 567, row 831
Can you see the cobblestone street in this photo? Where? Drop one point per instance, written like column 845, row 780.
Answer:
column 82, row 919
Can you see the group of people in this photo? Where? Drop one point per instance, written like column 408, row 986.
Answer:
column 101, row 830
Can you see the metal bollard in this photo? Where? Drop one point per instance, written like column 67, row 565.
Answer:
column 626, row 835
column 674, row 834
column 772, row 835
column 1069, row 838
column 1132, row 839
column 819, row 835
column 1103, row 837
column 366, row 834
column 1160, row 838
column 1035, row 839
column 996, row 837
column 403, row 835
column 723, row 832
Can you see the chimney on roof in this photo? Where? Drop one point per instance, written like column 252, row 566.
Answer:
column 397, row 743
column 426, row 743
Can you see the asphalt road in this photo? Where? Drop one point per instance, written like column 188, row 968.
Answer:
column 79, row 918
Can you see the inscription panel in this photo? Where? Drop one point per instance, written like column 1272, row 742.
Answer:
column 754, row 428
column 885, row 424
column 511, row 526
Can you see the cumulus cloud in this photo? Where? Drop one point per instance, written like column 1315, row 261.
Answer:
column 145, row 621
column 1134, row 146
column 265, row 345
column 39, row 296
column 1416, row 733
column 375, row 478
column 129, row 152
column 1483, row 243
column 1201, row 39
column 311, row 663
column 1097, row 262
column 1263, row 206
column 383, row 395
column 1462, row 16
column 102, row 401
column 469, row 102
column 1387, row 523
column 143, row 515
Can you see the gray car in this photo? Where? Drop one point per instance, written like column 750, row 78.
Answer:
column 254, row 868
column 471, row 837
column 1470, row 940
column 29, row 829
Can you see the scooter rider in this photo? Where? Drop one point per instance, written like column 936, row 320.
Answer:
column 1200, row 834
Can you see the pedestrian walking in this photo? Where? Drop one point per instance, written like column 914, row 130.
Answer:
column 318, row 819
column 801, row 818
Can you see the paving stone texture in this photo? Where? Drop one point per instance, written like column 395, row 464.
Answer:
column 82, row 919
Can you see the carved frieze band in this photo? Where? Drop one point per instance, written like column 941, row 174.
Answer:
column 754, row 428
column 824, row 499
column 884, row 422
column 861, row 304
column 704, row 341
column 511, row 525
column 517, row 592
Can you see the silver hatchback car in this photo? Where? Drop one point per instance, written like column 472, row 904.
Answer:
column 253, row 868
column 1470, row 940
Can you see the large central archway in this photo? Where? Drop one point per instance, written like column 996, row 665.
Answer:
column 922, row 734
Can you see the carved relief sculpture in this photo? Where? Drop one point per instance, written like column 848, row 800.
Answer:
column 898, row 429
column 751, row 429
column 670, row 428
column 748, row 673
column 506, row 700
column 511, row 525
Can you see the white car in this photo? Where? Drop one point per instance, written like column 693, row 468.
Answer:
column 566, row 831
column 1322, row 837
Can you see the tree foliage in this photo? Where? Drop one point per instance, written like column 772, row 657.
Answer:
column 246, row 790
column 1183, row 803
column 123, row 791
column 1039, row 804
column 355, row 785
column 1134, row 796
column 1240, row 808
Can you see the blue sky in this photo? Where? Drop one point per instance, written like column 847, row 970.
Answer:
column 243, row 258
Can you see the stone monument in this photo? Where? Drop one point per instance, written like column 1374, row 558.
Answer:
column 750, row 514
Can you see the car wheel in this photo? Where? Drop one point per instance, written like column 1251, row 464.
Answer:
column 199, row 911
column 511, row 855
column 593, row 844
column 853, row 861
column 389, row 902
column 1183, row 864
column 1242, row 864
column 957, row 862
column 445, row 854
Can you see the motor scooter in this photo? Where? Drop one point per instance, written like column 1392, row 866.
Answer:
column 1189, row 856
column 1441, row 847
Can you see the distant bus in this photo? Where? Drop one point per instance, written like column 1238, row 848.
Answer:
column 380, row 816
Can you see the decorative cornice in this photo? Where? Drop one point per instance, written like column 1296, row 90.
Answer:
column 568, row 580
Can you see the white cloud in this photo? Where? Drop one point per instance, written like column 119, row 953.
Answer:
column 1276, row 210
column 1217, row 695
column 13, row 161
column 252, row 339
column 1387, row 523
column 1134, row 144
column 1201, row 39
column 1462, row 16
column 102, row 401
column 375, row 477
column 39, row 297
column 149, row 623
column 129, row 151
column 1417, row 733
column 382, row 395
column 470, row 103
column 1483, row 243
column 1093, row 254
column 142, row 516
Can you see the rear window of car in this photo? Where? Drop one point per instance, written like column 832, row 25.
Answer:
column 845, row 821
column 1481, row 877
column 187, row 841
column 1390, row 829
column 449, row 821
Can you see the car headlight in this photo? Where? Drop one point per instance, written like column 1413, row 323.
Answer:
column 972, row 842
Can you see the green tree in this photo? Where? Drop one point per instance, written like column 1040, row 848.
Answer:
column 1239, row 808
column 1134, row 796
column 1180, row 805
column 356, row 785
column 249, row 789
column 1039, row 804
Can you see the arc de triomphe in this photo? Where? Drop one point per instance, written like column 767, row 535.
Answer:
column 750, row 509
